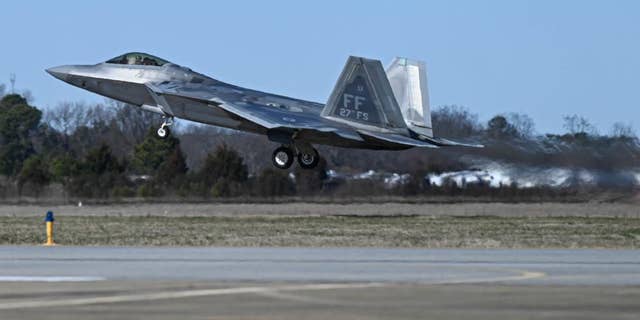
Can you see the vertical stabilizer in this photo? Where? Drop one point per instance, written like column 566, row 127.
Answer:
column 408, row 79
column 363, row 97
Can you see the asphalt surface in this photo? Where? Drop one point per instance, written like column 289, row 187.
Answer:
column 290, row 283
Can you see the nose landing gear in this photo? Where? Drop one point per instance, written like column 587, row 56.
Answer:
column 164, row 131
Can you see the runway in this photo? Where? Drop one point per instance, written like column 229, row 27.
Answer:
column 566, row 267
column 63, row 282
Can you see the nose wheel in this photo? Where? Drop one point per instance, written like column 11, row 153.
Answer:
column 163, row 132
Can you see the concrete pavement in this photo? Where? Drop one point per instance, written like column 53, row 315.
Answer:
column 271, row 283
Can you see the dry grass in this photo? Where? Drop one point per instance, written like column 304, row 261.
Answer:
column 586, row 209
column 329, row 231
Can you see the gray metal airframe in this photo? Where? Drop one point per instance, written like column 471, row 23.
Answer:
column 365, row 109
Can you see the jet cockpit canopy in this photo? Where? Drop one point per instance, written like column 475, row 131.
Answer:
column 138, row 58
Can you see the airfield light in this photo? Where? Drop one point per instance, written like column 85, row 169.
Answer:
column 49, row 223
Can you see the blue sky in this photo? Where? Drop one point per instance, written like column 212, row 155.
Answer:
column 543, row 58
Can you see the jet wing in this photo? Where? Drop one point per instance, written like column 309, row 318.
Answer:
column 281, row 116
column 274, row 119
column 269, row 112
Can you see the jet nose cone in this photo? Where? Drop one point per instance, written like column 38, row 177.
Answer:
column 60, row 72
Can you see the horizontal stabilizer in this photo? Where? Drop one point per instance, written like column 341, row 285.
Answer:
column 448, row 143
column 395, row 139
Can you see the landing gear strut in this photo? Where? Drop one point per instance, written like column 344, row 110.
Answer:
column 164, row 131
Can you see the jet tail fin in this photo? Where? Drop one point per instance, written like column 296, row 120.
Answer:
column 363, row 97
column 408, row 79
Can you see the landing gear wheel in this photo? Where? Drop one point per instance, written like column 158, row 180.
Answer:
column 163, row 132
column 282, row 158
column 308, row 160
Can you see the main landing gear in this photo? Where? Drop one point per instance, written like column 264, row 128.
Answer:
column 308, row 160
column 163, row 132
column 283, row 158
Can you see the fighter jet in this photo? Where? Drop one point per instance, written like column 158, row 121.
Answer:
column 369, row 108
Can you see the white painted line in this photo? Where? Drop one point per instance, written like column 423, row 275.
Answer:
column 521, row 275
column 297, row 297
column 176, row 295
column 48, row 279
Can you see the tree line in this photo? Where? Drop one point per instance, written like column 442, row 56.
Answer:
column 110, row 150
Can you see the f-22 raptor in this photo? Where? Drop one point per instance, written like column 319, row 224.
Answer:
column 369, row 108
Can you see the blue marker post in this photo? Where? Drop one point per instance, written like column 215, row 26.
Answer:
column 49, row 222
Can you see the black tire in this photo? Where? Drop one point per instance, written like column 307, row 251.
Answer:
column 282, row 158
column 309, row 161
column 166, row 135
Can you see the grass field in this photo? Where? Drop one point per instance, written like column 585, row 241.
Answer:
column 292, row 208
column 330, row 231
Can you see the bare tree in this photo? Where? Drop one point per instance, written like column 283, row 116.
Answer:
column 623, row 130
column 99, row 114
column 522, row 123
column 3, row 89
column 575, row 124
column 132, row 121
column 455, row 121
column 66, row 117
column 116, row 124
